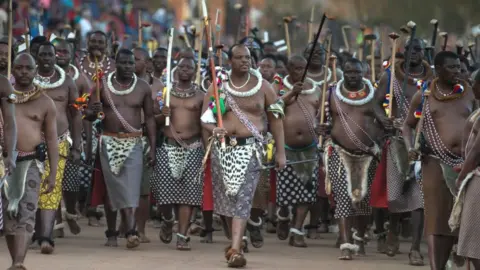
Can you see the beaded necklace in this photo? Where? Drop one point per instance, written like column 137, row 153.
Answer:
column 44, row 82
column 24, row 97
column 91, row 65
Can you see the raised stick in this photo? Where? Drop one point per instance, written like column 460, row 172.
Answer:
column 333, row 59
column 372, row 38
column 218, row 27
column 325, row 84
column 198, row 78
column 314, row 44
column 393, row 37
column 413, row 29
column 10, row 37
column 27, row 35
column 98, row 75
column 459, row 47
column 345, row 37
column 213, row 70
column 434, row 22
column 310, row 25
column 361, row 48
column 471, row 44
column 140, row 34
column 169, row 77
column 445, row 40
column 286, row 21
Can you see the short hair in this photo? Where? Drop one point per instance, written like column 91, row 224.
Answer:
column 270, row 57
column 230, row 51
column 47, row 44
column 296, row 58
column 97, row 32
column 442, row 56
column 38, row 40
column 123, row 51
column 144, row 52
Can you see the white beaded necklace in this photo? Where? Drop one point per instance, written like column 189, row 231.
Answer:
column 40, row 82
column 76, row 74
column 360, row 102
column 319, row 83
column 289, row 86
column 252, row 91
column 123, row 92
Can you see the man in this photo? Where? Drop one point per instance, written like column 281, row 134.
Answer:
column 175, row 179
column 159, row 63
column 268, row 67
column 403, row 196
column 35, row 44
column 4, row 58
column 60, row 87
column 36, row 115
column 141, row 57
column 269, row 48
column 297, row 185
column 464, row 212
column 351, row 154
column 71, row 181
column 282, row 65
column 97, row 49
column 316, row 69
column 233, row 175
column 441, row 149
column 124, row 98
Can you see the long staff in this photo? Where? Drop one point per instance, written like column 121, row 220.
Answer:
column 310, row 25
column 345, row 37
column 413, row 30
column 212, row 69
column 218, row 29
column 393, row 36
column 10, row 36
column 169, row 77
column 200, row 50
column 445, row 40
column 434, row 22
column 325, row 84
column 333, row 59
column 372, row 38
column 98, row 78
column 286, row 22
column 470, row 49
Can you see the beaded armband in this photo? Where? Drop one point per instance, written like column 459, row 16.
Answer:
column 277, row 108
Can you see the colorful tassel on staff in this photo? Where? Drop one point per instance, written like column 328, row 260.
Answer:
column 421, row 86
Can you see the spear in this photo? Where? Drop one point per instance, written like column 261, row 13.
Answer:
column 169, row 79
column 212, row 69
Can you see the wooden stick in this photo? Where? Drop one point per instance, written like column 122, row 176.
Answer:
column 310, row 25
column 372, row 38
column 333, row 59
column 286, row 21
column 213, row 70
column 218, row 27
column 325, row 84
column 198, row 78
column 10, row 38
column 445, row 40
column 345, row 37
column 98, row 72
column 169, row 77
column 393, row 36
column 434, row 22
column 140, row 34
column 27, row 35
column 382, row 46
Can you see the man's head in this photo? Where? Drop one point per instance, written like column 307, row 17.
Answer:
column 35, row 43
column 125, row 63
column 239, row 58
column 64, row 52
column 447, row 66
column 268, row 66
column 318, row 57
column 160, row 59
column 418, row 48
column 186, row 69
column 269, row 48
column 353, row 73
column 97, row 44
column 296, row 66
column 46, row 56
column 281, row 68
column 141, row 58
column 24, row 69
column 4, row 54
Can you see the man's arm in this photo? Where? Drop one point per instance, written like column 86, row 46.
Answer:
column 149, row 117
column 276, row 124
column 50, row 131
column 411, row 121
column 75, row 116
column 8, row 113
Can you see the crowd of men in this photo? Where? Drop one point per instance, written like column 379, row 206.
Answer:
column 271, row 148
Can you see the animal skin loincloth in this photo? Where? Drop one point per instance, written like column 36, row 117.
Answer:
column 118, row 150
column 356, row 169
column 177, row 158
column 456, row 215
column 303, row 171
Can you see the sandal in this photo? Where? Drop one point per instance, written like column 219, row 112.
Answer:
column 133, row 240
column 415, row 258
column 347, row 250
column 297, row 238
column 183, row 242
column 254, row 229
column 283, row 226
column 393, row 245
column 166, row 230
column 72, row 223
column 235, row 259
column 111, row 238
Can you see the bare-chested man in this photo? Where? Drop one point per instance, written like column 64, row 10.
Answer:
column 351, row 154
column 35, row 44
column 297, row 185
column 60, row 87
column 35, row 113
column 248, row 98
column 4, row 58
column 268, row 67
column 448, row 105
column 159, row 63
column 142, row 213
column 175, row 179
column 124, row 98
column 403, row 196
column 71, row 179
column 464, row 213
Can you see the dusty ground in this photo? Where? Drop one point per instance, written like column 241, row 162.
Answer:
column 86, row 252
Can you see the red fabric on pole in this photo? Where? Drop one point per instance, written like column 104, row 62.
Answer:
column 379, row 197
column 208, row 187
